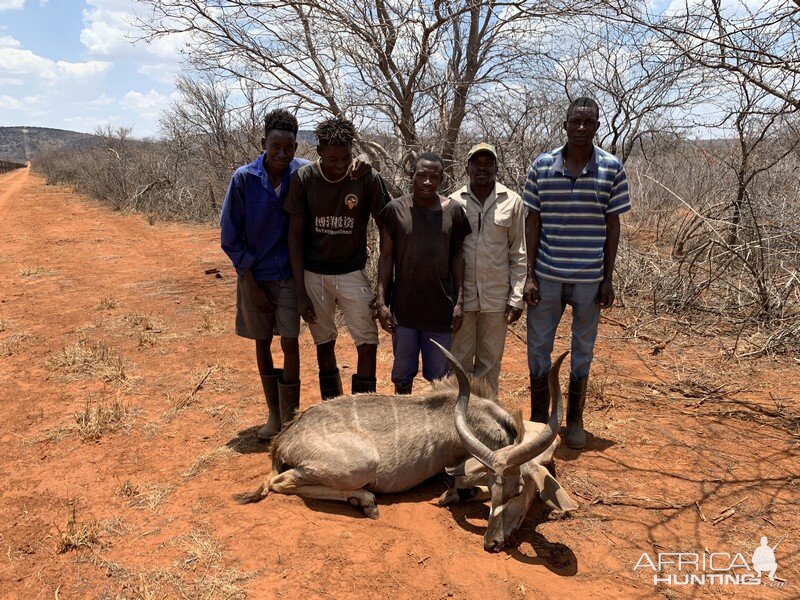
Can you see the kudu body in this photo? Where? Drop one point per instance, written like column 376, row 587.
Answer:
column 347, row 448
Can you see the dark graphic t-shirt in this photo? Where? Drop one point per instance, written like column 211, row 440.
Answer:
column 424, row 243
column 336, row 216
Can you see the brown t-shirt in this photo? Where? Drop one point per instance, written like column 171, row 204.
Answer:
column 336, row 218
column 424, row 243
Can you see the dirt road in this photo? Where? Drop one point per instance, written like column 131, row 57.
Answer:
column 130, row 412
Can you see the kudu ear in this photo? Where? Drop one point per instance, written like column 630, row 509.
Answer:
column 550, row 491
column 470, row 472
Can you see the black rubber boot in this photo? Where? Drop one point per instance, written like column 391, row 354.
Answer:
column 540, row 399
column 330, row 385
column 289, row 400
column 270, row 384
column 363, row 386
column 575, row 436
column 403, row 390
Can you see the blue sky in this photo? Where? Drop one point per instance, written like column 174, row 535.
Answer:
column 71, row 64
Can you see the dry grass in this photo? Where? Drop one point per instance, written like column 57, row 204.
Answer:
column 115, row 527
column 3, row 325
column 148, row 328
column 142, row 322
column 95, row 360
column 77, row 535
column 206, row 460
column 107, row 304
column 127, row 489
column 148, row 496
column 95, row 420
column 37, row 271
column 203, row 557
column 10, row 344
column 209, row 323
column 184, row 401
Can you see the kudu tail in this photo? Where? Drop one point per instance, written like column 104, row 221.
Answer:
column 256, row 495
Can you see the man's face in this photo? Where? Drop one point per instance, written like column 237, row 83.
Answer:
column 335, row 160
column 581, row 126
column 482, row 169
column 279, row 147
column 426, row 179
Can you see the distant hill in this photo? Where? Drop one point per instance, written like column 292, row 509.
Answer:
column 12, row 141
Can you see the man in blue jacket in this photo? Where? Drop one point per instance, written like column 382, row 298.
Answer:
column 253, row 233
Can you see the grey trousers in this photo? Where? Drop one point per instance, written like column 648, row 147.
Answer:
column 543, row 321
column 479, row 344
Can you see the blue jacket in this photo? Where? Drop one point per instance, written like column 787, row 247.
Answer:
column 253, row 225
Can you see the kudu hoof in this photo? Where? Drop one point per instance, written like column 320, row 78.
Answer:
column 371, row 511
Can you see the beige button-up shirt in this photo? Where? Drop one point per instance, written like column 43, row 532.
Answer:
column 494, row 253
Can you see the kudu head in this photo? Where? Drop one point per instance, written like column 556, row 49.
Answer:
column 515, row 474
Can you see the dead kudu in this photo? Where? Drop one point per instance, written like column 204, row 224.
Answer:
column 352, row 446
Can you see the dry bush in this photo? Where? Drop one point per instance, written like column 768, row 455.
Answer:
column 167, row 180
column 95, row 360
column 97, row 419
column 690, row 255
column 78, row 535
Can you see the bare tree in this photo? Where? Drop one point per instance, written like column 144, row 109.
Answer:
column 759, row 43
column 644, row 87
column 409, row 68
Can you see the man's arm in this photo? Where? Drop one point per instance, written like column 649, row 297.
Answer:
column 304, row 306
column 232, row 227
column 232, row 239
column 458, row 281
column 533, row 232
column 606, row 296
column 517, row 264
column 385, row 269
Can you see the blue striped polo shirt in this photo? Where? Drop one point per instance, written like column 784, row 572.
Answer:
column 573, row 212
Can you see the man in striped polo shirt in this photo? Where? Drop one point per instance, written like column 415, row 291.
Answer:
column 574, row 196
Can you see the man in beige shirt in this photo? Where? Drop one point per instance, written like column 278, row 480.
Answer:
column 496, row 265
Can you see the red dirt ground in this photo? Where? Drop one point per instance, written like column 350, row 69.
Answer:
column 103, row 311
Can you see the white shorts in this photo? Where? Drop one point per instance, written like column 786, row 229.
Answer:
column 353, row 293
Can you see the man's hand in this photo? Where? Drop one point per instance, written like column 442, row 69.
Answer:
column 512, row 314
column 306, row 308
column 360, row 167
column 385, row 317
column 531, row 291
column 458, row 318
column 605, row 298
column 260, row 297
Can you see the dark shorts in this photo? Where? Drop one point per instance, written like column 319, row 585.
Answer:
column 257, row 324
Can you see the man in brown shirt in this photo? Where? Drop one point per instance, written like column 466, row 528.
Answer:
column 421, row 243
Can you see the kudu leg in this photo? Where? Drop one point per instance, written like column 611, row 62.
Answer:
column 292, row 482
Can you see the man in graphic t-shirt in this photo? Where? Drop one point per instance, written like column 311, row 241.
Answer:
column 421, row 243
column 329, row 213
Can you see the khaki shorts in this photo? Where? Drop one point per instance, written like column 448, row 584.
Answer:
column 353, row 293
column 257, row 324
